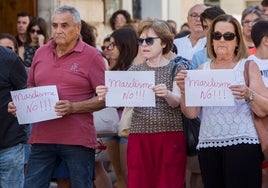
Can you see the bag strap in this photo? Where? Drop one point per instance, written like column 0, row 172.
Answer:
column 246, row 72
column 174, row 68
column 181, row 62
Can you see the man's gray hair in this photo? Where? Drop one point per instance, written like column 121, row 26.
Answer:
column 72, row 10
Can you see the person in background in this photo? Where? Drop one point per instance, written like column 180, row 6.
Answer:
column 23, row 20
column 173, row 25
column 264, row 5
column 119, row 19
column 9, row 41
column 122, row 51
column 12, row 135
column 186, row 47
column 259, row 35
column 229, row 150
column 185, row 27
column 184, row 31
column 71, row 138
column 135, row 23
column 105, row 45
column 206, row 19
column 249, row 17
column 196, row 40
column 36, row 36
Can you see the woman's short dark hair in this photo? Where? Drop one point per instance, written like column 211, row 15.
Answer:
column 264, row 3
column 87, row 33
column 210, row 13
column 125, row 40
column 10, row 37
column 124, row 13
column 259, row 30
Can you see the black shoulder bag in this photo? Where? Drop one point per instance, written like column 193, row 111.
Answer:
column 191, row 127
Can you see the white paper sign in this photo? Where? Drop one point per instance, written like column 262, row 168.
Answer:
column 209, row 88
column 35, row 104
column 130, row 88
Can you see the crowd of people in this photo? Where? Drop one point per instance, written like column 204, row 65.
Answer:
column 154, row 154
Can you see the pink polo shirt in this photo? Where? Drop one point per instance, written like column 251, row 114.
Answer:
column 76, row 76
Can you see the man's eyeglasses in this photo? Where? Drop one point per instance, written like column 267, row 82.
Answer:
column 194, row 16
column 149, row 41
column 228, row 36
column 249, row 22
column 36, row 31
column 109, row 47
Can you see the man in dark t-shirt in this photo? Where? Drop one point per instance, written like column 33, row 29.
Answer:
column 12, row 135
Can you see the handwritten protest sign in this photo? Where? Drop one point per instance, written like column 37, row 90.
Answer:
column 35, row 104
column 209, row 88
column 130, row 88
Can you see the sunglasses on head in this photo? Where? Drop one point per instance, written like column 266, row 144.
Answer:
column 228, row 36
column 149, row 41
column 35, row 31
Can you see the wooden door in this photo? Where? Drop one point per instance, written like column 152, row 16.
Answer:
column 9, row 10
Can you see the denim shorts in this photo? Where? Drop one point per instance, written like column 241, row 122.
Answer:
column 61, row 171
column 12, row 167
column 121, row 140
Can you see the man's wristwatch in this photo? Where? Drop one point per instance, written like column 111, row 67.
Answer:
column 251, row 97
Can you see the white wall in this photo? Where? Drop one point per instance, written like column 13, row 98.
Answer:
column 151, row 8
column 168, row 9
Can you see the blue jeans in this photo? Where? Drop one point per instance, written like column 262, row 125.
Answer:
column 45, row 157
column 12, row 167
column 27, row 146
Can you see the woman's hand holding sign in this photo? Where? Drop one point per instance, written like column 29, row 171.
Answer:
column 180, row 79
column 161, row 90
column 240, row 91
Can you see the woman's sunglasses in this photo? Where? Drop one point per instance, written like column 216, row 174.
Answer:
column 36, row 31
column 149, row 41
column 228, row 36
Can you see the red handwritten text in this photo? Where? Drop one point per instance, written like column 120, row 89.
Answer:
column 204, row 83
column 133, row 84
column 33, row 95
column 43, row 105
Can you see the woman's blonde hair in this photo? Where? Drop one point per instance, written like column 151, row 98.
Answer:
column 241, row 51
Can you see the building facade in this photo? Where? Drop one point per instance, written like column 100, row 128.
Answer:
column 98, row 12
